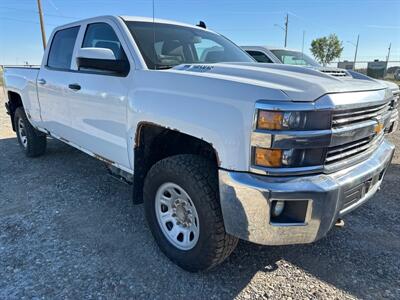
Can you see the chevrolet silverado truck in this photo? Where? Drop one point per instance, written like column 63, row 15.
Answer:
column 216, row 146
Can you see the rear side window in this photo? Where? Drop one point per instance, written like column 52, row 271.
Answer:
column 259, row 56
column 61, row 48
column 101, row 35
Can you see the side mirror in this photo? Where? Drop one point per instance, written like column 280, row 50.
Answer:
column 102, row 59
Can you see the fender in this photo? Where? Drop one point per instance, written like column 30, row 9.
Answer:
column 217, row 111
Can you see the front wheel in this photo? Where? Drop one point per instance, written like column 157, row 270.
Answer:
column 183, row 211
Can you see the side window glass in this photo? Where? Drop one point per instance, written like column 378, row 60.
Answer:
column 259, row 56
column 62, row 47
column 208, row 50
column 292, row 60
column 101, row 35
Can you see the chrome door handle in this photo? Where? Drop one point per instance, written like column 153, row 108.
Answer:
column 41, row 81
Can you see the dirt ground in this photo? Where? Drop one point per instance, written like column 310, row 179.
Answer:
column 68, row 230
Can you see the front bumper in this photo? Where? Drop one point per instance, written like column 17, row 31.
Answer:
column 246, row 200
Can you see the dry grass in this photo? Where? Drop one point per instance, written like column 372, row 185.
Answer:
column 390, row 77
column 393, row 80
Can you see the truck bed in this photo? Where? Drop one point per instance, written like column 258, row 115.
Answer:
column 16, row 78
column 22, row 81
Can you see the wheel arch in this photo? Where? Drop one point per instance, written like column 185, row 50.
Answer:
column 154, row 142
column 14, row 101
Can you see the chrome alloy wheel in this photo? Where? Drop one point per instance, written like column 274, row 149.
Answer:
column 22, row 133
column 177, row 216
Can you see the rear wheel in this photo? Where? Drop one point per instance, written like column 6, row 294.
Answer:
column 182, row 208
column 32, row 141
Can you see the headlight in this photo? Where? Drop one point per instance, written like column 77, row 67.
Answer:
column 280, row 137
column 298, row 120
column 276, row 158
column 269, row 120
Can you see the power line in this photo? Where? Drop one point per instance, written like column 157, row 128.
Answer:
column 25, row 21
column 35, row 11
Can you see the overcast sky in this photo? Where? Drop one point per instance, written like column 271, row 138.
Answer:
column 243, row 21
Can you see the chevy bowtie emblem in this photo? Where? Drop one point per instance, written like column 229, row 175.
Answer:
column 378, row 128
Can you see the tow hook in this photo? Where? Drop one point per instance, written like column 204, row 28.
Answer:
column 339, row 223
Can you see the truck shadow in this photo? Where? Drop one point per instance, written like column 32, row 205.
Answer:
column 64, row 209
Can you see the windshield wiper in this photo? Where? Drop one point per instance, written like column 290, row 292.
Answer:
column 163, row 67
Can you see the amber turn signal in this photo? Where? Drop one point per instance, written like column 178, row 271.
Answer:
column 268, row 157
column 269, row 120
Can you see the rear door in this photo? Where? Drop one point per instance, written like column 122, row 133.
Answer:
column 53, row 79
column 98, row 107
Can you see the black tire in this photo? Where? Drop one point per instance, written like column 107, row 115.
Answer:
column 36, row 141
column 198, row 177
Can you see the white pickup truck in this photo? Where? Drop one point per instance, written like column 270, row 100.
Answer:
column 217, row 146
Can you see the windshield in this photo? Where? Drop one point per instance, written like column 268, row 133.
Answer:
column 289, row 57
column 164, row 46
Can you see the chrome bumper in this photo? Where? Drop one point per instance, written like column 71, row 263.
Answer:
column 246, row 200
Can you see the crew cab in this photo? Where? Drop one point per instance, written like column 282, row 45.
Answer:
column 217, row 146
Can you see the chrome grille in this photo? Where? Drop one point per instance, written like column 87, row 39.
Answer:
column 341, row 152
column 395, row 102
column 351, row 116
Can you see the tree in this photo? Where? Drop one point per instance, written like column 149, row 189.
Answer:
column 326, row 49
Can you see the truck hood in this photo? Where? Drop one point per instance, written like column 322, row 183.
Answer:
column 342, row 72
column 298, row 83
column 391, row 85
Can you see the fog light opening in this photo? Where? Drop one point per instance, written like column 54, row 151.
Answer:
column 291, row 211
column 277, row 208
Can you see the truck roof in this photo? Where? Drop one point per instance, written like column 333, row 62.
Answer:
column 130, row 18
column 163, row 21
column 270, row 47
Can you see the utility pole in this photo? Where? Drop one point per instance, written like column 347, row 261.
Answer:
column 302, row 46
column 355, row 54
column 286, row 28
column 41, row 23
column 387, row 57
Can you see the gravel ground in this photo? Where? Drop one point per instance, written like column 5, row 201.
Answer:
column 68, row 230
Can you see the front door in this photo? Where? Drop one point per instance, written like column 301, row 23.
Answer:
column 98, row 100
